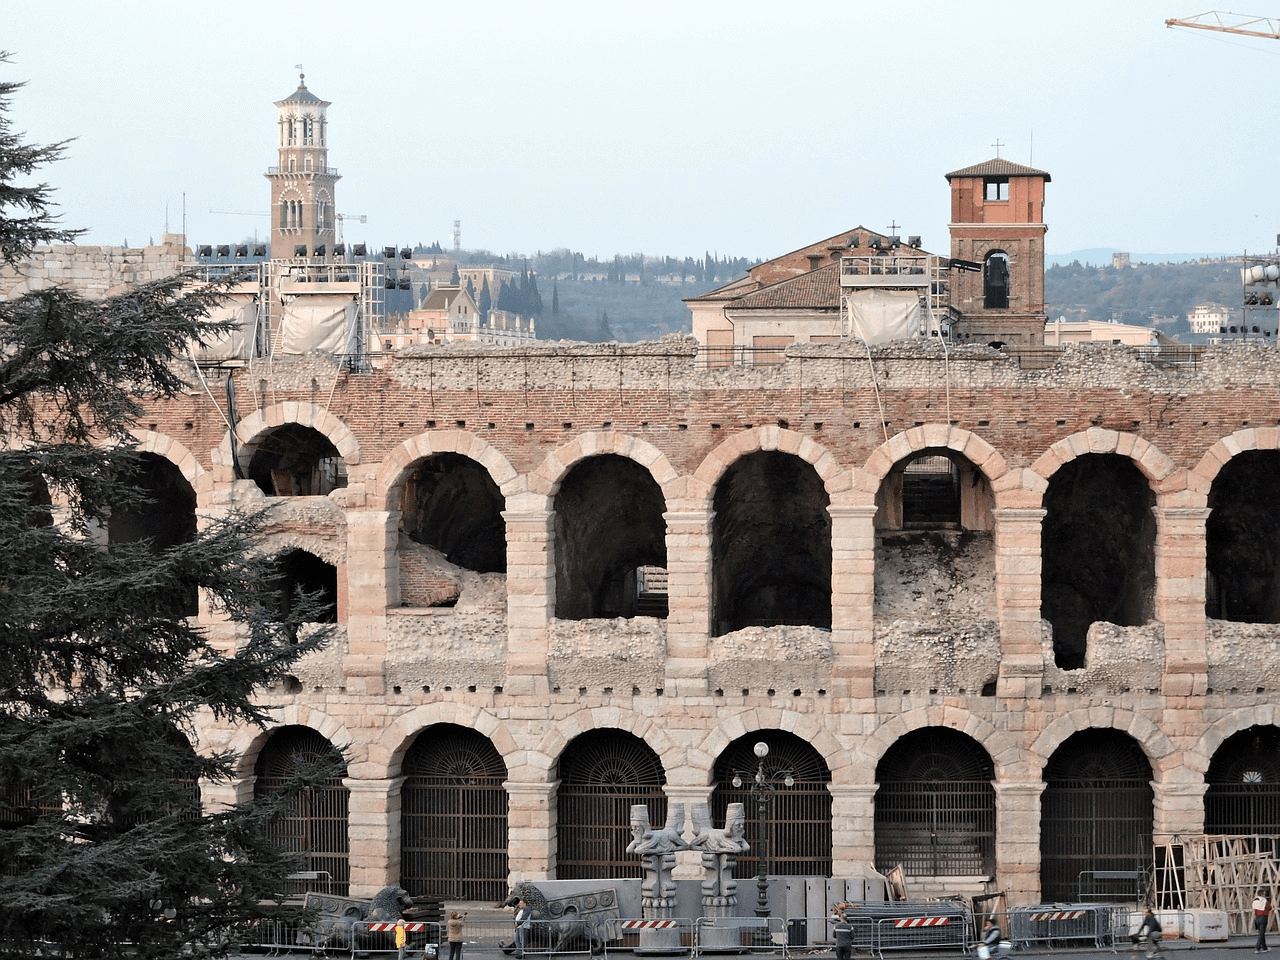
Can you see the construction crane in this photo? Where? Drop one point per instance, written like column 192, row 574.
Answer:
column 340, row 217
column 1231, row 23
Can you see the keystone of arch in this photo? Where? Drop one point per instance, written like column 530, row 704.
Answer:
column 769, row 439
column 1157, row 747
column 1006, row 755
column 386, row 754
column 548, row 476
column 1198, row 757
column 425, row 445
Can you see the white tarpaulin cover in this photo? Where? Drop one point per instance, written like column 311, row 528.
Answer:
column 241, row 309
column 315, row 322
column 882, row 315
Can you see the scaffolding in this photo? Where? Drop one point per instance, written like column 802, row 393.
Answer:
column 1216, row 872
column 897, row 269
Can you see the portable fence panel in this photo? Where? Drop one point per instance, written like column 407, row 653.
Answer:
column 675, row 935
column 1054, row 923
column 936, row 923
column 753, row 935
column 380, row 937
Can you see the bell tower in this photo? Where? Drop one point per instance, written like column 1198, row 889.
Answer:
column 302, row 183
column 997, row 235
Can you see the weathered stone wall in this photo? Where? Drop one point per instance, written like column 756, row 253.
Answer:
column 94, row 271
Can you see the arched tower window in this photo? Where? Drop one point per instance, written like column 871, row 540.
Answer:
column 995, row 280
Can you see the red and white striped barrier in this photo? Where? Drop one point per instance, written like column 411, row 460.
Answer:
column 649, row 924
column 921, row 922
column 388, row 927
column 1058, row 915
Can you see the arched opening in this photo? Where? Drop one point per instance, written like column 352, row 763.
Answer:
column 452, row 504
column 1095, row 815
column 935, row 806
column 771, row 545
column 1242, row 540
column 995, row 280
column 1097, row 551
column 165, row 517
column 305, row 572
column 609, row 530
column 314, row 824
column 453, row 816
column 602, row 773
column 798, row 817
column 1243, row 796
column 296, row 461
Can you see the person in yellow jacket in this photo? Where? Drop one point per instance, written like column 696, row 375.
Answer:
column 402, row 939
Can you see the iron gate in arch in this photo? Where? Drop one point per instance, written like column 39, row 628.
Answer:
column 602, row 773
column 1244, row 784
column 315, row 824
column 935, row 807
column 799, row 816
column 1095, row 812
column 453, row 817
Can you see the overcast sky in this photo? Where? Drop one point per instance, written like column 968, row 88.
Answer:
column 748, row 128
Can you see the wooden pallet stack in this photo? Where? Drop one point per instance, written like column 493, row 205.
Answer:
column 1216, row 872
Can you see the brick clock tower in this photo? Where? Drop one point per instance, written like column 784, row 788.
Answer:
column 997, row 230
column 302, row 186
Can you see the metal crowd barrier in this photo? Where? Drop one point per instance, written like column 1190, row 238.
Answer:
column 1053, row 923
column 911, row 933
column 363, row 937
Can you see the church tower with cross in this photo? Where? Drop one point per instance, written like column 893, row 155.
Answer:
column 302, row 183
column 997, row 250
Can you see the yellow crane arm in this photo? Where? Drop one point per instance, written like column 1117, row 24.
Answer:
column 1231, row 23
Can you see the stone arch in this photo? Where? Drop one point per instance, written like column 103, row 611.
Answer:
column 1158, row 748
column 1196, row 759
column 1007, row 752
column 391, row 473
column 548, row 750
column 162, row 445
column 329, row 550
column 253, row 426
column 546, row 478
column 836, row 479
column 1218, row 455
column 248, row 742
column 701, row 758
column 387, row 751
column 1154, row 464
column 969, row 445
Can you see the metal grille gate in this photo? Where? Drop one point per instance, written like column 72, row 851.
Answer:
column 453, row 817
column 602, row 773
column 1244, row 784
column 315, row 823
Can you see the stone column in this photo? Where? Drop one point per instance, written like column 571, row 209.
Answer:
column 1178, row 806
column 688, row 601
column 1179, row 599
column 373, row 585
column 688, row 862
column 531, row 593
column 1017, row 545
column 853, row 828
column 531, row 830
column 1018, row 840
column 853, row 592
column 373, row 834
column 221, row 796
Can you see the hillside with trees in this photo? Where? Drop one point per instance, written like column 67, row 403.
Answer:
column 1137, row 293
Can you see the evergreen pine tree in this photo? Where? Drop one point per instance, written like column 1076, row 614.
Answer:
column 486, row 301
column 555, row 299
column 532, row 298
column 455, row 280
column 103, row 845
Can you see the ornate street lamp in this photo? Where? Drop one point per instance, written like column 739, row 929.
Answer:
column 762, row 790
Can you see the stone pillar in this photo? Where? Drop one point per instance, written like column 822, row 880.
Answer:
column 853, row 828
column 1018, row 840
column 531, row 593
column 531, row 830
column 1017, row 545
column 372, row 585
column 853, row 592
column 1179, row 599
column 688, row 601
column 221, row 796
column 373, row 834
column 1178, row 806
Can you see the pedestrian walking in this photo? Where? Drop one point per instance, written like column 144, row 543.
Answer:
column 524, row 920
column 456, row 920
column 1261, row 917
column 402, row 939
